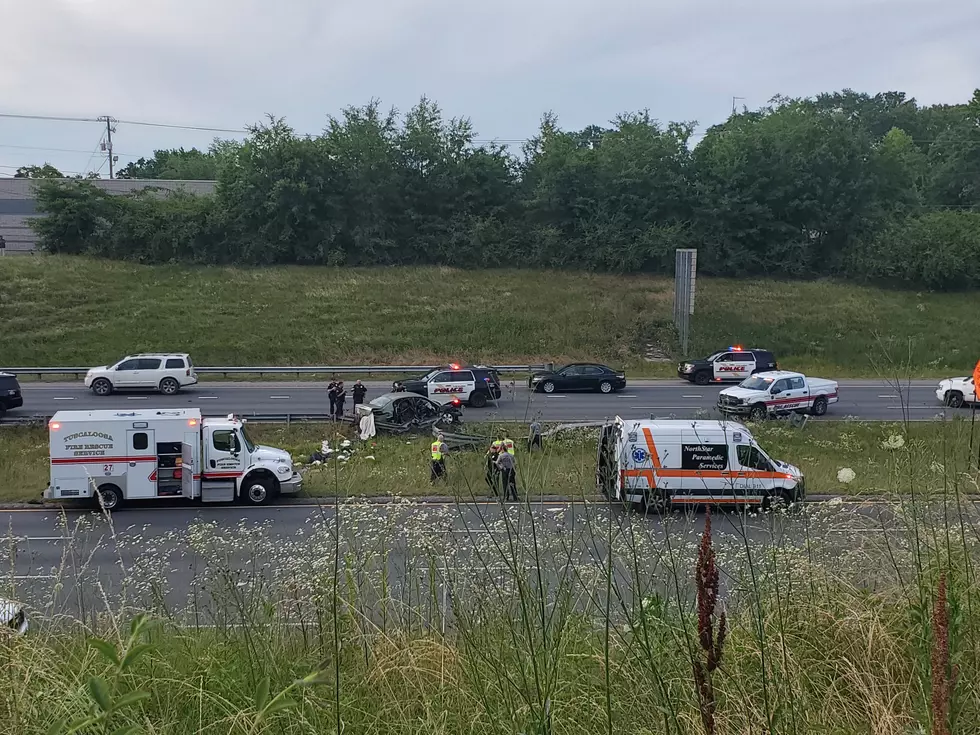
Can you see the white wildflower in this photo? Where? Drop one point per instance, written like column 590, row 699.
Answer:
column 845, row 475
column 895, row 441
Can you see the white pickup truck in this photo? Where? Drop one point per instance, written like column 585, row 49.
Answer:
column 954, row 392
column 778, row 392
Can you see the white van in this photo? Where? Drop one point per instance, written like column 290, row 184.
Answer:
column 654, row 464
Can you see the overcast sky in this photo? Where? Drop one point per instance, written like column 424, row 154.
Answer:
column 225, row 63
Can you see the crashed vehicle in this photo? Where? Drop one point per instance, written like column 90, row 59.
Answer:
column 399, row 413
column 13, row 616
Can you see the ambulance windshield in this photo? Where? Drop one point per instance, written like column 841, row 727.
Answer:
column 247, row 439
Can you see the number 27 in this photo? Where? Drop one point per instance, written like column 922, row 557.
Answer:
column 107, row 468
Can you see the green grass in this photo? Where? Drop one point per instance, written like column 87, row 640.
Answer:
column 400, row 465
column 81, row 312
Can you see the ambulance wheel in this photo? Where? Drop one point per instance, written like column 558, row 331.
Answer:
column 605, row 387
column 758, row 413
column 111, row 498
column 548, row 387
column 819, row 407
column 654, row 501
column 257, row 491
column 169, row 386
column 954, row 399
column 102, row 387
column 702, row 378
column 478, row 400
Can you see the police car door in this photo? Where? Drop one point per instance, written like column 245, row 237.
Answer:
column 451, row 384
column 734, row 365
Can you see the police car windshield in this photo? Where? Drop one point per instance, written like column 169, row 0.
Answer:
column 756, row 383
column 715, row 355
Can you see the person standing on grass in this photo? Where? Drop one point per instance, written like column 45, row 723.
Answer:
column 358, row 391
column 340, row 397
column 332, row 395
column 492, row 474
column 534, row 436
column 508, row 473
column 438, row 464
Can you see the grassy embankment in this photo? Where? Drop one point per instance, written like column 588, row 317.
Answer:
column 78, row 311
column 399, row 466
column 832, row 625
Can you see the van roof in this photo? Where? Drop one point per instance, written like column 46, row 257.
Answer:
column 683, row 424
column 159, row 354
column 176, row 414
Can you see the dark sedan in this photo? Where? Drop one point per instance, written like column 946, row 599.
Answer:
column 579, row 376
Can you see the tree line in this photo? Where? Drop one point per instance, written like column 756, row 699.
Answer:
column 844, row 184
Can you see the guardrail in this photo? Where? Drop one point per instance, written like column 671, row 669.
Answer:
column 277, row 370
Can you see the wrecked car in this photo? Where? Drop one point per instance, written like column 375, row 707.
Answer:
column 399, row 413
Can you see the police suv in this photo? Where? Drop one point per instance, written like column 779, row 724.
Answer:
column 474, row 385
column 732, row 365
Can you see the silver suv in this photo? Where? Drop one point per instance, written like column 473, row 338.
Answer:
column 166, row 372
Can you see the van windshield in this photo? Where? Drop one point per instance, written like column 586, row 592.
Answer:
column 247, row 439
column 756, row 383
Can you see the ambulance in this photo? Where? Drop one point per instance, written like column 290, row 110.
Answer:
column 142, row 455
column 658, row 463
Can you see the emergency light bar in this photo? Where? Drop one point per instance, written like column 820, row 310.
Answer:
column 736, row 348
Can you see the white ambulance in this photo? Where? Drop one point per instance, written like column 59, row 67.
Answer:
column 141, row 455
column 654, row 464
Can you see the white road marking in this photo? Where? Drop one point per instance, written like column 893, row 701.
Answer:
column 661, row 408
column 938, row 409
column 41, row 538
column 892, row 396
column 279, row 398
column 34, row 576
column 208, row 398
column 692, row 396
column 552, row 395
column 622, row 396
column 135, row 398
column 62, row 398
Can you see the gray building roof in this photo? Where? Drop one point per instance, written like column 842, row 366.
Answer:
column 18, row 205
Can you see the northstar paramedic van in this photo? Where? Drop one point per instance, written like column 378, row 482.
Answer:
column 654, row 464
column 140, row 455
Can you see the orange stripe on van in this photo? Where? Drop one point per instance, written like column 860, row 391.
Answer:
column 652, row 448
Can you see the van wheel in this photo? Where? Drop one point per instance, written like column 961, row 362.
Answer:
column 654, row 502
column 257, row 491
column 102, row 387
column 758, row 413
column 954, row 399
column 108, row 497
column 819, row 407
column 169, row 386
column 702, row 378
column 605, row 387
column 478, row 399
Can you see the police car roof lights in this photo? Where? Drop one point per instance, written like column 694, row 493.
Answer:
column 735, row 348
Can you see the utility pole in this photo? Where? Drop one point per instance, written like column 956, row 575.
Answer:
column 734, row 99
column 107, row 145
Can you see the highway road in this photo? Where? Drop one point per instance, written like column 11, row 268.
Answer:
column 865, row 399
column 200, row 563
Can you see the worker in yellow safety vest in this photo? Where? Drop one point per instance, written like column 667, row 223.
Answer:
column 438, row 464
column 506, row 443
column 976, row 381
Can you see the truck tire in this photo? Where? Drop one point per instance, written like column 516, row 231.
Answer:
column 954, row 399
column 702, row 378
column 478, row 399
column 111, row 497
column 101, row 387
column 257, row 490
column 819, row 406
column 758, row 412
column 169, row 387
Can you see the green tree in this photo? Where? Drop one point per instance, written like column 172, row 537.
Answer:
column 180, row 164
column 47, row 171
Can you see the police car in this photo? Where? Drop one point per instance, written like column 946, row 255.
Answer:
column 474, row 385
column 732, row 365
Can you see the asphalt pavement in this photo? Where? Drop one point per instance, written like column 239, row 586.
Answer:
column 197, row 563
column 871, row 400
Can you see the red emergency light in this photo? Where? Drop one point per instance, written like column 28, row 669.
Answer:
column 54, row 426
column 735, row 348
column 454, row 366
column 455, row 401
